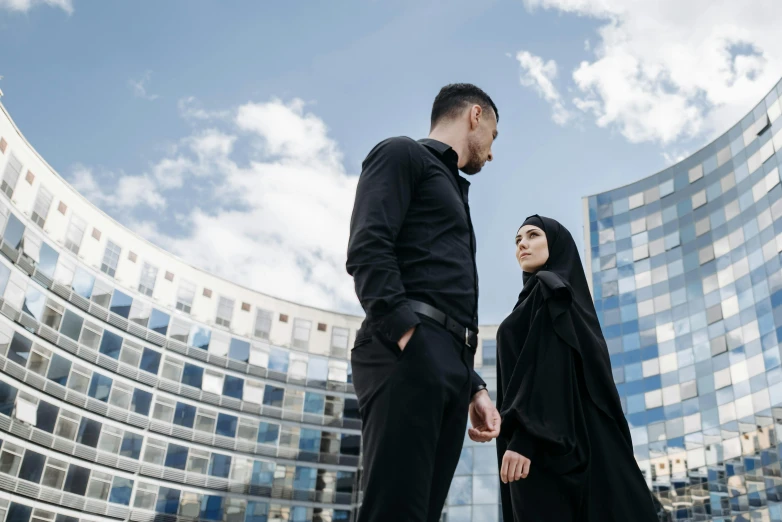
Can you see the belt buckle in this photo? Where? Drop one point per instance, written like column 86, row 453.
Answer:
column 467, row 337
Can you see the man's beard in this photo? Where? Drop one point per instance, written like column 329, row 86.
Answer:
column 474, row 163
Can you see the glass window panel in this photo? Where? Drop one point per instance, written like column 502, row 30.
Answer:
column 71, row 325
column 89, row 432
column 76, row 480
column 47, row 263
column 263, row 323
column 131, row 445
column 225, row 311
column 239, row 350
column 220, row 466
column 226, row 425
column 100, row 387
column 121, row 303
column 46, row 417
column 176, row 457
column 147, row 280
column 185, row 295
column 142, row 401
column 111, row 345
column 159, row 321
column 278, row 360
column 32, row 466
column 75, row 233
column 233, row 387
column 184, row 415
column 199, row 337
column 121, row 489
column 150, row 361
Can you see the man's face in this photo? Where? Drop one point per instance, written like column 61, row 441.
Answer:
column 479, row 142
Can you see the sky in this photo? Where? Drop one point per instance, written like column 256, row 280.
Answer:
column 232, row 133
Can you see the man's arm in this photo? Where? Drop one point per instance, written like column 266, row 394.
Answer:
column 383, row 195
column 477, row 384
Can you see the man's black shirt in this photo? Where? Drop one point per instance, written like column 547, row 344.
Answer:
column 411, row 237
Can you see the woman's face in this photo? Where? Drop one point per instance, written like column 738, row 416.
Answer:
column 531, row 248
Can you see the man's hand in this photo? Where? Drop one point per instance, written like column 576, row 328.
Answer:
column 405, row 338
column 514, row 467
column 484, row 417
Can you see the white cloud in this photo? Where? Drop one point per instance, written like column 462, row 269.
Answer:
column 22, row 6
column 669, row 70
column 540, row 75
column 191, row 109
column 129, row 191
column 277, row 222
column 139, row 87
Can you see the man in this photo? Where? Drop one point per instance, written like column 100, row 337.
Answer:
column 412, row 257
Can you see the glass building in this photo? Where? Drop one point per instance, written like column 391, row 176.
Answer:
column 136, row 387
column 685, row 274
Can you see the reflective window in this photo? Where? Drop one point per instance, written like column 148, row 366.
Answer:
column 185, row 295
column 159, row 321
column 263, row 323
column 110, row 259
column 225, row 312
column 121, row 303
column 148, row 278
column 100, row 387
column 43, row 202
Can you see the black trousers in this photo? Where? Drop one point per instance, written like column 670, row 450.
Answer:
column 414, row 405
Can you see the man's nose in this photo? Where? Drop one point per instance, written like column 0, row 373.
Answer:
column 491, row 156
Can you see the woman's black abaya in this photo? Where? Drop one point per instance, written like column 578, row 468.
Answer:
column 559, row 404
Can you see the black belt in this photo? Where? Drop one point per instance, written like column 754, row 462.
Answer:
column 462, row 333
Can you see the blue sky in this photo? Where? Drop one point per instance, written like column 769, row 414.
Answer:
column 232, row 132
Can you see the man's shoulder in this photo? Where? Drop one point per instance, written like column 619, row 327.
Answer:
column 397, row 144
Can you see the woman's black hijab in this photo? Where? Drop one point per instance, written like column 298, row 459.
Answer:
column 550, row 349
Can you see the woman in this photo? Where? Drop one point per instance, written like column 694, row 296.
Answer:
column 564, row 449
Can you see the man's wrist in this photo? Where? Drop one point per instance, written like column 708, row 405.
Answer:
column 481, row 388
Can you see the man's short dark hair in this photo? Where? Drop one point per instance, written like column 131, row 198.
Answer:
column 453, row 98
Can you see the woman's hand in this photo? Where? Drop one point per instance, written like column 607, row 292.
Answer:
column 514, row 467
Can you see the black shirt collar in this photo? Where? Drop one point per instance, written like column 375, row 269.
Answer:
column 446, row 153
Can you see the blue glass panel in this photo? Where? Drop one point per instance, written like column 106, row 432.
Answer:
column 121, row 489
column 111, row 344
column 211, row 507
column 309, row 440
column 150, row 361
column 14, row 232
column 100, row 387
column 131, row 445
column 268, row 433
column 278, row 360
column 239, row 350
column 184, row 415
column 59, row 369
column 121, row 303
column 193, row 375
column 273, row 395
column 233, row 387
column 159, row 321
column 226, row 425
column 47, row 260
column 199, row 337
column 167, row 501
column 220, row 466
column 141, row 402
column 176, row 456
column 314, row 403
column 83, row 283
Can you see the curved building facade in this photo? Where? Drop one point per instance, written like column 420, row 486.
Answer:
column 686, row 277
column 136, row 387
